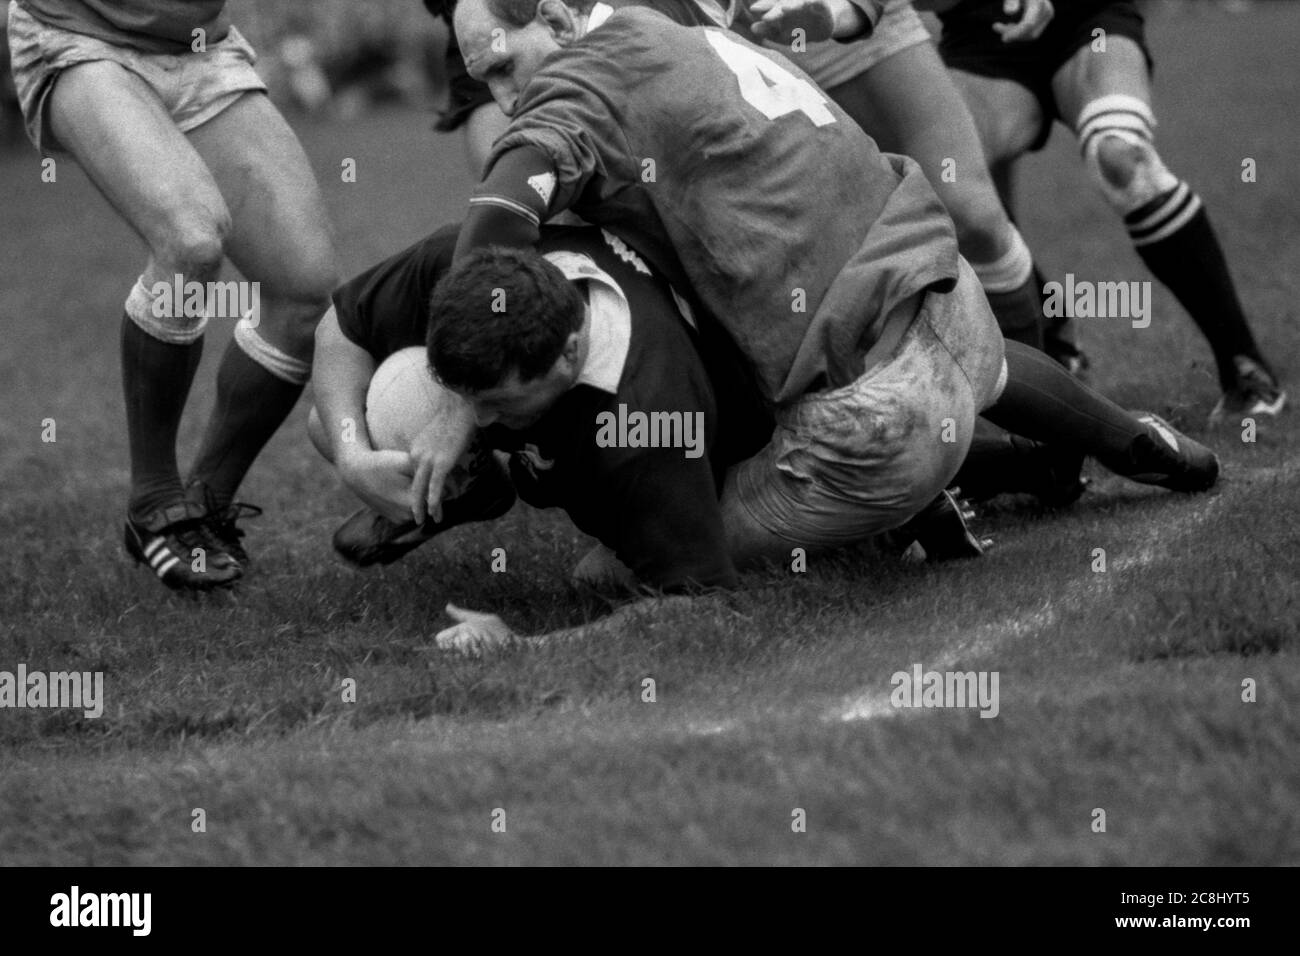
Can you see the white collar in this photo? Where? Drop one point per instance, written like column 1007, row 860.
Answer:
column 609, row 322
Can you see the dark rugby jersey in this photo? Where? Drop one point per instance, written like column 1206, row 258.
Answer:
column 655, row 507
column 154, row 26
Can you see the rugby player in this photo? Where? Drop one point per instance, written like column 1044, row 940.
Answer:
column 158, row 101
column 832, row 266
column 539, row 374
column 1091, row 70
column 587, row 329
column 894, row 85
column 883, row 70
column 614, row 493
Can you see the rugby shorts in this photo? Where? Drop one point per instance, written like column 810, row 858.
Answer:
column 193, row 87
column 968, row 43
column 851, row 462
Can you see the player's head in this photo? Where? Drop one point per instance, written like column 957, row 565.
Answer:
column 505, row 332
column 505, row 41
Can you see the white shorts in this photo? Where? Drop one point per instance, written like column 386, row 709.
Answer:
column 852, row 462
column 193, row 87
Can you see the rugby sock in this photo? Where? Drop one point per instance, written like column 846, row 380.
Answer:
column 1014, row 292
column 1001, row 463
column 1060, row 340
column 251, row 404
column 1019, row 313
column 991, row 456
column 1173, row 235
column 990, row 466
column 1044, row 402
column 156, row 379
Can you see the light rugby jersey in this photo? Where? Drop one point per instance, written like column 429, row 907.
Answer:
column 739, row 180
column 152, row 26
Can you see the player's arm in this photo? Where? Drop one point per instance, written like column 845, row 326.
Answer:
column 340, row 374
column 508, row 207
column 669, row 533
column 842, row 20
column 475, row 632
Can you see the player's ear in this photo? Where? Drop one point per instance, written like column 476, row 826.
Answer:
column 572, row 350
column 559, row 18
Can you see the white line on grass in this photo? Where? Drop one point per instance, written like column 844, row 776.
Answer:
column 1160, row 533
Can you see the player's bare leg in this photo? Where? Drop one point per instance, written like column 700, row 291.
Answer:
column 909, row 104
column 1105, row 94
column 279, row 238
column 145, row 167
column 1009, row 120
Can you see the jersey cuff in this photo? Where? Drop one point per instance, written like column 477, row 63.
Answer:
column 508, row 207
column 508, row 204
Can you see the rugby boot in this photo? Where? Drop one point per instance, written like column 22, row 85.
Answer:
column 176, row 545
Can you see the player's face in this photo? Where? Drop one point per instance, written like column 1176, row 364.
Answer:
column 505, row 57
column 518, row 404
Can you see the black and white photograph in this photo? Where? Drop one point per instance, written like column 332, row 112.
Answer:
column 651, row 433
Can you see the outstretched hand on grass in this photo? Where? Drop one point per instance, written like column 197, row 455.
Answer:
column 474, row 632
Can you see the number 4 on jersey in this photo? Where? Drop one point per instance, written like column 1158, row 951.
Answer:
column 767, row 87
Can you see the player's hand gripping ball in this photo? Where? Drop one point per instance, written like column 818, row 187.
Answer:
column 402, row 402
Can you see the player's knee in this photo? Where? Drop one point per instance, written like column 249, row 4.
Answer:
column 1130, row 172
column 1118, row 161
column 1117, row 139
column 195, row 243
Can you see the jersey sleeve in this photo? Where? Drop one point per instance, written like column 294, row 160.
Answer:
column 507, row 208
column 567, row 112
column 386, row 307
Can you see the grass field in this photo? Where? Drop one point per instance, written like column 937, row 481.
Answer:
column 1120, row 690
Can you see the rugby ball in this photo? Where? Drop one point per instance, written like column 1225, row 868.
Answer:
column 403, row 398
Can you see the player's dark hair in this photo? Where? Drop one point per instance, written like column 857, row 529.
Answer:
column 519, row 13
column 498, row 311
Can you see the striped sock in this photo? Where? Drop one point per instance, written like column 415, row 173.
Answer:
column 1173, row 235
